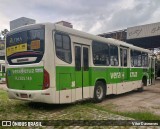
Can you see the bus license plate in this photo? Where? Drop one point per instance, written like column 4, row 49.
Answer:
column 24, row 96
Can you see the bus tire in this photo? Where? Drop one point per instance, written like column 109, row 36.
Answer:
column 143, row 83
column 99, row 92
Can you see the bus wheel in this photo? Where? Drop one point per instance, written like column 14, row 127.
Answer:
column 143, row 83
column 99, row 92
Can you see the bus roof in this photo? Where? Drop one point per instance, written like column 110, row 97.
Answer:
column 98, row 38
column 81, row 34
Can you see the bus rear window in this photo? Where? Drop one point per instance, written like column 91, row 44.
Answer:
column 25, row 47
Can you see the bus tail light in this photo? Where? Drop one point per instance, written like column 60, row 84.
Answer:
column 46, row 81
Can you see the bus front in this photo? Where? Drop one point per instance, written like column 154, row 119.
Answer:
column 26, row 76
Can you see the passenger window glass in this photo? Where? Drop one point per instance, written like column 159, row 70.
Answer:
column 63, row 47
column 123, row 55
column 144, row 59
column 137, row 58
column 100, row 53
column 132, row 58
column 66, row 44
column 114, row 55
column 58, row 40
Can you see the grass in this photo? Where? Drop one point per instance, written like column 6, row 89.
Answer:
column 22, row 110
column 139, row 115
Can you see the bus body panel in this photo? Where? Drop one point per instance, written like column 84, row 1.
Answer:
column 25, row 78
column 46, row 96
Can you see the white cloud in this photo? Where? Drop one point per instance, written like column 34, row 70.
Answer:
column 4, row 22
column 86, row 15
column 126, row 4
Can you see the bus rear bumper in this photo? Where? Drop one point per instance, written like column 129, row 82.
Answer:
column 44, row 96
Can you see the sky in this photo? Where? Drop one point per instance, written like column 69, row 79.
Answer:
column 92, row 16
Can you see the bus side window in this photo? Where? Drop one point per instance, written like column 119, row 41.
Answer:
column 125, row 57
column 77, row 58
column 144, row 59
column 114, row 55
column 100, row 53
column 132, row 58
column 63, row 47
column 137, row 58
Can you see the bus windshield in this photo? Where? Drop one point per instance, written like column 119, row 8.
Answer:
column 25, row 47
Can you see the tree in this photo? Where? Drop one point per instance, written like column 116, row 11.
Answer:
column 4, row 32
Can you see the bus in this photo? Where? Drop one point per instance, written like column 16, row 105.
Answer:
column 2, row 62
column 2, row 72
column 51, row 63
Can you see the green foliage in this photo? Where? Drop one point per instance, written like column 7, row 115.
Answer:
column 3, row 34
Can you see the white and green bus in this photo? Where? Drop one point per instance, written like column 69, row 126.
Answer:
column 51, row 63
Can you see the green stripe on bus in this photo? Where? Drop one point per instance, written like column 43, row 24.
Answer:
column 66, row 77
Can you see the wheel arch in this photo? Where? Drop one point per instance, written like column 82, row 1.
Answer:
column 104, row 82
column 99, row 90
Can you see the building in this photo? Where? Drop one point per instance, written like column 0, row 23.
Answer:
column 65, row 23
column 146, row 36
column 21, row 22
column 120, row 35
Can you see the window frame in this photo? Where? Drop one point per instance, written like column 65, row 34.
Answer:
column 123, row 57
column 147, row 61
column 117, row 54
column 108, row 53
column 134, row 54
column 70, row 48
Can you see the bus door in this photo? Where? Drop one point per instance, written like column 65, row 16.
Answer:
column 81, row 71
column 124, row 70
column 152, row 71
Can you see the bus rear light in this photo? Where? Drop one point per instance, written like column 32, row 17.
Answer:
column 46, row 80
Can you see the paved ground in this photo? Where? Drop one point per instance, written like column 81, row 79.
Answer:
column 3, row 86
column 148, row 100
